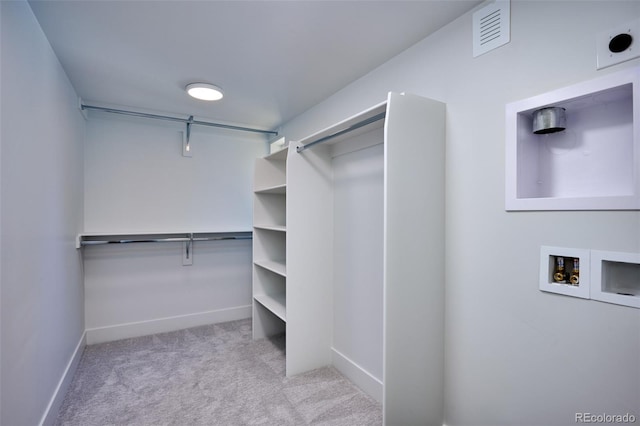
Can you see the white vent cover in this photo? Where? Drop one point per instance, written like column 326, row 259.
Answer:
column 491, row 27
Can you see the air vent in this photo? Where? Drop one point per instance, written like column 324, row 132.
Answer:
column 491, row 27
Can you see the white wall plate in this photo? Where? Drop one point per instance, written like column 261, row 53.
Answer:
column 608, row 44
column 615, row 277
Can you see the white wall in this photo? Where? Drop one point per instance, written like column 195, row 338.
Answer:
column 41, row 199
column 136, row 180
column 358, row 255
column 514, row 355
column 140, row 289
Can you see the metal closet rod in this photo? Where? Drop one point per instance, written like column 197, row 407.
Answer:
column 88, row 240
column 178, row 119
column 351, row 128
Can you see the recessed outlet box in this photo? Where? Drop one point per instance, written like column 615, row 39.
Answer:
column 593, row 164
column 615, row 277
column 618, row 44
column 565, row 271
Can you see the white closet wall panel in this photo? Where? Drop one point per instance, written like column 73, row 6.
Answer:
column 310, row 275
column 414, row 260
column 358, row 250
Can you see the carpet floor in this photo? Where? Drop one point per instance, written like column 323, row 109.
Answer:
column 209, row 375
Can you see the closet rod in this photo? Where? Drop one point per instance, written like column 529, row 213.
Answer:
column 87, row 240
column 178, row 119
column 351, row 128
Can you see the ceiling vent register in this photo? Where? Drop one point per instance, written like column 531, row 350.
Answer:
column 491, row 27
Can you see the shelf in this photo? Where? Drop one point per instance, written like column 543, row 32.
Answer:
column 278, row 267
column 280, row 155
column 270, row 173
column 270, row 244
column 270, row 209
column 593, row 164
column 276, row 189
column 279, row 228
column 99, row 238
column 159, row 232
column 275, row 303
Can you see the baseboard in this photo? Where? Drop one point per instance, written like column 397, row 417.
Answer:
column 51, row 413
column 163, row 325
column 358, row 375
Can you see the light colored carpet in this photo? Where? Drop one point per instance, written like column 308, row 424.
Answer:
column 210, row 375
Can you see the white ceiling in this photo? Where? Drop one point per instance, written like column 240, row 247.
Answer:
column 273, row 59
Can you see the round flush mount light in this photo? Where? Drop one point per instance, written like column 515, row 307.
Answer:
column 204, row 91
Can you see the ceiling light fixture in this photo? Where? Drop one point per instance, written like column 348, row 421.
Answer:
column 204, row 91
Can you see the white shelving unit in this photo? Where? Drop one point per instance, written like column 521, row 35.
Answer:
column 318, row 232
column 269, row 246
column 410, row 245
column 594, row 164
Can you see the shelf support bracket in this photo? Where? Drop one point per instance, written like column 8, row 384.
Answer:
column 186, row 140
column 187, row 252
